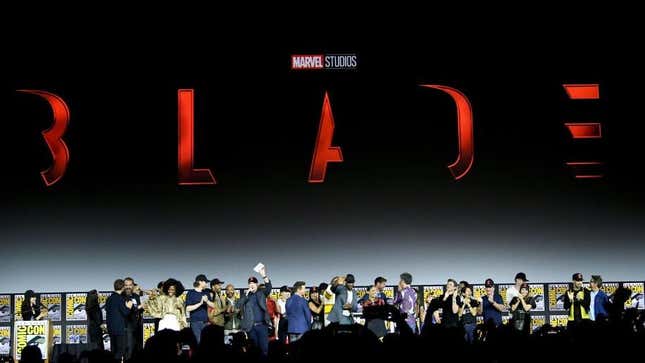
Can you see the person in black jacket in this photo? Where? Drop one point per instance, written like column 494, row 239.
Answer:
column 94, row 320
column 30, row 308
column 117, row 310
column 577, row 301
column 255, row 316
column 134, row 321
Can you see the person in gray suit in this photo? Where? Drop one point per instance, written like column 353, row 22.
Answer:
column 346, row 301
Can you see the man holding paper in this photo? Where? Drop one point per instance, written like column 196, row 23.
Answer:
column 253, row 307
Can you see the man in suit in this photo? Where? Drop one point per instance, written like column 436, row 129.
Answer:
column 117, row 309
column 299, row 321
column 346, row 302
column 134, row 321
column 255, row 316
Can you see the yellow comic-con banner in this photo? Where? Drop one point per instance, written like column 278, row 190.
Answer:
column 434, row 291
column 17, row 305
column 76, row 334
column 556, row 296
column 558, row 320
column 5, row 340
column 5, row 308
column 57, row 335
column 637, row 299
column 53, row 303
column 148, row 331
column 75, row 307
column 31, row 333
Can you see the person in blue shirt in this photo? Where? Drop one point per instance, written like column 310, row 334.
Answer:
column 197, row 303
column 492, row 304
column 599, row 300
column 299, row 321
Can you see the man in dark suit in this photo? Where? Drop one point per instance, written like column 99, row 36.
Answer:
column 117, row 309
column 255, row 316
column 134, row 321
column 345, row 302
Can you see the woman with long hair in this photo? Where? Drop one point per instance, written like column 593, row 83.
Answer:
column 373, row 321
column 168, row 307
column 521, row 306
column 94, row 319
column 468, row 307
column 31, row 308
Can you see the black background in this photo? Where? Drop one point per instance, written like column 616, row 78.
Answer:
column 255, row 128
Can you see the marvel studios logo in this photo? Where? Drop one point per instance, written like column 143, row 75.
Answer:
column 324, row 61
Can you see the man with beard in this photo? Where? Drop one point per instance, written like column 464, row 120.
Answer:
column 345, row 302
column 577, row 301
column 255, row 315
column 133, row 322
column 492, row 305
column 232, row 312
column 449, row 307
column 406, row 300
column 216, row 313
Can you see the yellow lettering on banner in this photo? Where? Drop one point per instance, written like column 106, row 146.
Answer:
column 554, row 293
column 502, row 292
column 430, row 291
column 36, row 329
column 21, row 338
column 360, row 292
column 479, row 291
column 18, row 299
column 69, row 307
column 148, row 331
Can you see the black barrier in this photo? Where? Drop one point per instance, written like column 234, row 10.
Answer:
column 67, row 313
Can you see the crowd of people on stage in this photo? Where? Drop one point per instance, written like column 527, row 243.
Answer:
column 212, row 313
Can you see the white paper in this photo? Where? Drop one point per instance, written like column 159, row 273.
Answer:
column 258, row 267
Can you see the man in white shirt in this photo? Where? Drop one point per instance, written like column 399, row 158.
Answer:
column 285, row 294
